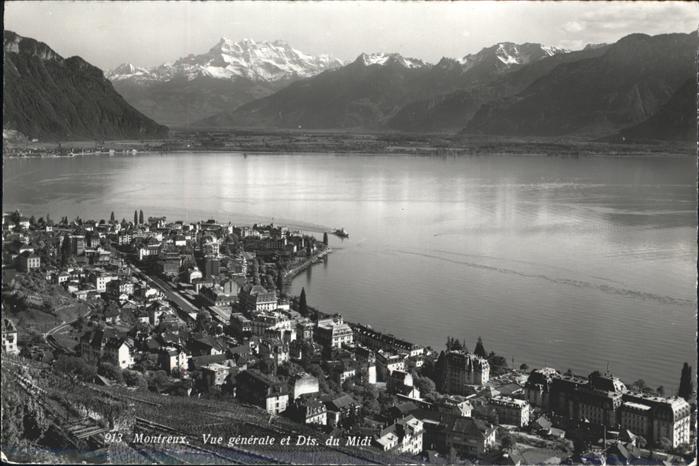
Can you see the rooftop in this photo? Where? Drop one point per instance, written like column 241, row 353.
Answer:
column 507, row 401
column 638, row 406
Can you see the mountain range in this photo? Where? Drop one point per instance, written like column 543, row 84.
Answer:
column 506, row 89
column 623, row 86
column 451, row 111
column 639, row 88
column 221, row 79
column 368, row 92
column 47, row 96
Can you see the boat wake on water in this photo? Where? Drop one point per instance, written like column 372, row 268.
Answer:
column 563, row 281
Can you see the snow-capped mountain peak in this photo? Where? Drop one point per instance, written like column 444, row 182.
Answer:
column 509, row 54
column 368, row 59
column 246, row 58
column 129, row 71
column 551, row 50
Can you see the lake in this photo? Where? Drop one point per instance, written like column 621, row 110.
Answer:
column 582, row 263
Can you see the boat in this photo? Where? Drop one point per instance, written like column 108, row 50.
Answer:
column 341, row 233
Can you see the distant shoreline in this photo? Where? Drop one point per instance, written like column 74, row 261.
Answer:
column 349, row 144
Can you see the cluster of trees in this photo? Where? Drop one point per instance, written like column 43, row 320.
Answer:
column 64, row 221
column 157, row 381
column 641, row 386
column 453, row 344
column 33, row 221
column 111, row 372
column 368, row 396
column 231, row 245
column 76, row 367
column 425, row 384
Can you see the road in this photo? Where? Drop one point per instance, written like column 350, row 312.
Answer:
column 58, row 328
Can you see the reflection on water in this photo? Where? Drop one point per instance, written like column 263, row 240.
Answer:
column 567, row 262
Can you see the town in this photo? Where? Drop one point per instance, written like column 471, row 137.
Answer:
column 116, row 330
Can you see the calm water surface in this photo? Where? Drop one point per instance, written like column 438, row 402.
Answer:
column 573, row 263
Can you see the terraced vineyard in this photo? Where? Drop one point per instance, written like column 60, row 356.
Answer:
column 194, row 418
column 152, row 414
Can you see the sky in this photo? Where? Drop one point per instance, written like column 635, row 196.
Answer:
column 149, row 33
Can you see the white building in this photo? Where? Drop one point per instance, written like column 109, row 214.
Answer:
column 510, row 410
column 9, row 337
column 333, row 332
column 387, row 362
column 404, row 436
column 100, row 281
column 119, row 352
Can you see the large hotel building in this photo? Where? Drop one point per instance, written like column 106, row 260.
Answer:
column 603, row 399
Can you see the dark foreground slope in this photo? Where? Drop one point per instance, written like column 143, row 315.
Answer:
column 47, row 96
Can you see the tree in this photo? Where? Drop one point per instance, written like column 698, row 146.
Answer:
column 660, row 391
column 140, row 217
column 134, row 379
column 66, row 250
column 453, row 344
column 568, row 372
column 325, row 238
column 135, row 217
column 638, row 385
column 371, row 407
column 159, row 380
column 424, row 384
column 440, row 371
column 507, row 441
column 280, row 282
column 686, row 384
column 480, row 349
column 73, row 365
column 111, row 372
column 111, row 217
column 524, row 367
column 498, row 364
column 303, row 306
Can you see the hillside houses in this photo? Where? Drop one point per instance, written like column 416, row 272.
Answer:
column 201, row 309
